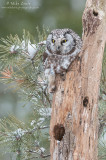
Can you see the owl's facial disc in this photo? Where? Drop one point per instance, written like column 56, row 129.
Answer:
column 61, row 44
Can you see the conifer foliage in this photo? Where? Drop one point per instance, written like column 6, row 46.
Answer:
column 21, row 67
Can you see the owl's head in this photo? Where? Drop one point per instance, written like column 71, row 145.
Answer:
column 61, row 41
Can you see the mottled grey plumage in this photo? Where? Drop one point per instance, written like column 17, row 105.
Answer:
column 62, row 46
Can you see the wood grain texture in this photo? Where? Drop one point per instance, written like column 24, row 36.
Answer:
column 75, row 102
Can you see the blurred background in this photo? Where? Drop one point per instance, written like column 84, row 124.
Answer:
column 16, row 15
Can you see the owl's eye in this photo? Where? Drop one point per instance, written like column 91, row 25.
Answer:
column 64, row 41
column 53, row 41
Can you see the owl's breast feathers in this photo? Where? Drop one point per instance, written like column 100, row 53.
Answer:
column 59, row 63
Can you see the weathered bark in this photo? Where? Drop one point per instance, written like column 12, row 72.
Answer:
column 75, row 102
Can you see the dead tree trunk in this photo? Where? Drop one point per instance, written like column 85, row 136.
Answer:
column 75, row 103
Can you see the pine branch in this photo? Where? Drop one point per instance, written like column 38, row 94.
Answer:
column 18, row 136
column 19, row 72
column 21, row 66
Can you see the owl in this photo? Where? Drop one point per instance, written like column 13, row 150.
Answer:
column 62, row 47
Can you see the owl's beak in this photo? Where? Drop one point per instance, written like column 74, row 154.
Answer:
column 58, row 48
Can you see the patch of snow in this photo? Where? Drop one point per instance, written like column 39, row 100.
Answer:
column 40, row 121
column 36, row 143
column 30, row 48
column 42, row 43
column 42, row 149
column 45, row 111
column 32, row 122
column 14, row 48
column 19, row 133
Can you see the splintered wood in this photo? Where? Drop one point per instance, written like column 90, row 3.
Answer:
column 75, row 102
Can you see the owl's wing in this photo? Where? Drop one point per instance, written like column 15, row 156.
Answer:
column 45, row 55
